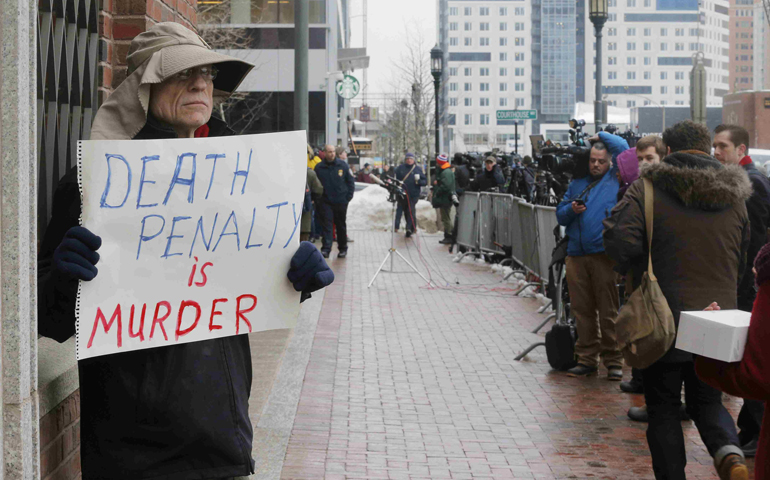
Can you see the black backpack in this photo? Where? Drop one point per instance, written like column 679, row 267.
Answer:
column 560, row 346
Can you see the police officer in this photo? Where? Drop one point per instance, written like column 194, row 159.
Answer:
column 339, row 187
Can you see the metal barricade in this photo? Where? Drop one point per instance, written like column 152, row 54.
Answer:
column 467, row 226
column 489, row 218
column 546, row 222
column 514, row 227
column 502, row 206
column 529, row 236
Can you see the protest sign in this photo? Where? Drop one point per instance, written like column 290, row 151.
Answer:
column 197, row 239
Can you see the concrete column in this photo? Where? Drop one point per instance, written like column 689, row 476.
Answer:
column 301, row 39
column 20, row 449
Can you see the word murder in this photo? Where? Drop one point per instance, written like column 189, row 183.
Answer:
column 138, row 323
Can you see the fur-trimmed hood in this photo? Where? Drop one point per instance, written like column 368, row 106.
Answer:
column 699, row 181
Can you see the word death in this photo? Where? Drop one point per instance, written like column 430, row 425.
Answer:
column 183, row 319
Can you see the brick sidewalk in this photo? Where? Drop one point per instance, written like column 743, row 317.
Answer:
column 406, row 381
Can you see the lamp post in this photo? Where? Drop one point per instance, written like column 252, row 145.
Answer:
column 597, row 13
column 436, row 69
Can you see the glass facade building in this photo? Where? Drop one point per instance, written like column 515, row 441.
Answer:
column 558, row 62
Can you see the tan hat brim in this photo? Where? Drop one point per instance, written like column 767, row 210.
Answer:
column 232, row 71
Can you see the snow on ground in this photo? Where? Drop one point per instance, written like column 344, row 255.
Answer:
column 370, row 210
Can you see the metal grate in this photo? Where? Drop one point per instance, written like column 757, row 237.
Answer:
column 67, row 42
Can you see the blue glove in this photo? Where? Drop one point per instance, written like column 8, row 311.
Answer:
column 309, row 271
column 76, row 256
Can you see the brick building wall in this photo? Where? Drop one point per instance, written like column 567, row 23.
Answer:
column 119, row 22
column 751, row 110
column 122, row 20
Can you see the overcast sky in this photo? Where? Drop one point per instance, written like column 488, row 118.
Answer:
column 388, row 20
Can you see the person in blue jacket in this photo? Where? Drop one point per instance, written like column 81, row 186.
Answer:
column 414, row 179
column 339, row 186
column 590, row 276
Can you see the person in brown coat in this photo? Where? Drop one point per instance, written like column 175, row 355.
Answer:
column 699, row 243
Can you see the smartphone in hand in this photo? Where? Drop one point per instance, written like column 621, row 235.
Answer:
column 580, row 202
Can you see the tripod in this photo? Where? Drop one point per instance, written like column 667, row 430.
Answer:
column 392, row 250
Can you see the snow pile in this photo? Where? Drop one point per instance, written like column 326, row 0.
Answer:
column 370, row 210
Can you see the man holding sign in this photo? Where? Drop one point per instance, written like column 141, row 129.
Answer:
column 192, row 252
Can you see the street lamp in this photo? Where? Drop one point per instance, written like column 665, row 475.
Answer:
column 436, row 69
column 597, row 13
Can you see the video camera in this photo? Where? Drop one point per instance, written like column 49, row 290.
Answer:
column 395, row 188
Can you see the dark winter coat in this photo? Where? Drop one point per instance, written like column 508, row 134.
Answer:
column 411, row 185
column 585, row 230
column 462, row 178
column 758, row 207
column 486, row 181
column 314, row 192
column 339, row 184
column 174, row 412
column 700, row 233
column 444, row 189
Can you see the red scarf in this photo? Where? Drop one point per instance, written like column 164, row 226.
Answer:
column 745, row 161
column 202, row 131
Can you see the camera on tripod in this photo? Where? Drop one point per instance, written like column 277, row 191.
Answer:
column 395, row 188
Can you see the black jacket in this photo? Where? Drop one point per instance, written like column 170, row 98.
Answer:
column 487, row 180
column 175, row 412
column 462, row 178
column 411, row 185
column 758, row 207
column 339, row 184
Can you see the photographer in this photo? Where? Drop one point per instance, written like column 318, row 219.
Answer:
column 590, row 274
column 529, row 174
column 490, row 180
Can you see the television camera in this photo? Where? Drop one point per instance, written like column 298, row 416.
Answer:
column 395, row 188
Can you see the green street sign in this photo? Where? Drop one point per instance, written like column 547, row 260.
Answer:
column 517, row 114
column 348, row 87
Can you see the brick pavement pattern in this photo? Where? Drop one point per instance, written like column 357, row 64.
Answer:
column 410, row 382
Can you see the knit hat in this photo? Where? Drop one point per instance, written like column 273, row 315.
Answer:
column 628, row 165
column 442, row 161
column 409, row 155
column 762, row 265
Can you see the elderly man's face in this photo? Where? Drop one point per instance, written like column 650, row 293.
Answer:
column 409, row 161
column 185, row 104
column 599, row 163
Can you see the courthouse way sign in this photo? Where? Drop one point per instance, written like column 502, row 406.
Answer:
column 517, row 114
column 198, row 235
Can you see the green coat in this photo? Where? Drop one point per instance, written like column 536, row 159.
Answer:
column 444, row 189
column 316, row 191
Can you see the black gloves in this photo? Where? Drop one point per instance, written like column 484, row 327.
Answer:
column 76, row 256
column 309, row 271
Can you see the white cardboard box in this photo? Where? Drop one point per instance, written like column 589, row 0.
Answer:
column 720, row 334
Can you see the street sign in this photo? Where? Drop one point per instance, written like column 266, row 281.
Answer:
column 517, row 114
column 348, row 87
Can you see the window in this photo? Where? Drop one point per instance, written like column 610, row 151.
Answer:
column 503, row 26
column 679, row 75
column 663, row 32
column 452, row 87
column 484, row 102
column 468, row 41
column 519, row 11
column 484, row 11
column 484, row 26
column 679, row 102
column 452, row 71
column 468, row 119
column 503, row 11
column 503, row 41
column 679, row 90
column 647, row 3
column 519, row 102
column 693, row 32
column 631, row 3
column 503, row 102
column 646, row 75
column 647, row 61
column 453, row 27
column 630, row 103
column 610, row 60
column 519, row 87
column 468, row 87
column 453, row 101
column 664, row 75
column 663, row 47
column 484, row 119
column 519, row 26
column 612, row 46
column 468, row 26
column 467, row 72
column 503, row 87
column 631, row 32
column 484, row 71
column 484, row 87
column 630, row 75
column 484, row 41
column 612, row 75
column 664, row 89
column 612, row 17
column 453, row 41
column 693, row 47
column 647, row 32
column 520, row 57
column 452, row 119
column 611, row 32
column 630, row 60
column 612, row 3
column 519, row 71
column 468, row 11
column 679, row 32
column 647, row 46
column 503, row 72
column 468, row 102
column 503, row 56
column 631, row 46
column 454, row 11
column 519, row 41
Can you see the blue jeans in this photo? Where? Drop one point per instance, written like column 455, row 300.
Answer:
column 410, row 215
column 663, row 394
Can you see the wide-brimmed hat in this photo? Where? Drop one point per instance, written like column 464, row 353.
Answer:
column 153, row 57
